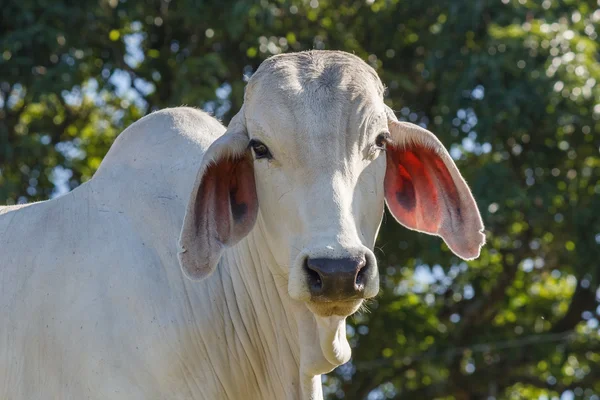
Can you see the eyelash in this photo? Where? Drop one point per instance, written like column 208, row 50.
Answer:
column 260, row 150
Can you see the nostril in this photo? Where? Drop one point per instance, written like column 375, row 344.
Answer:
column 314, row 279
column 361, row 277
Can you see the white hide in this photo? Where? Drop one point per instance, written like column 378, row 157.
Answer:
column 94, row 303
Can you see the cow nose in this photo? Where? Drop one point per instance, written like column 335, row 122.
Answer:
column 335, row 279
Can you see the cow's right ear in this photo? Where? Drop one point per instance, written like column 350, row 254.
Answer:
column 223, row 205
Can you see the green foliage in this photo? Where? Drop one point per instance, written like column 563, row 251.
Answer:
column 509, row 86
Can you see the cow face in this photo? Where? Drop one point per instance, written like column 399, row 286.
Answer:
column 309, row 161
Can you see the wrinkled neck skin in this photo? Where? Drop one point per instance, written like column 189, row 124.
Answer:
column 287, row 329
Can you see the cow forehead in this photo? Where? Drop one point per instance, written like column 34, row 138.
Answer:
column 320, row 100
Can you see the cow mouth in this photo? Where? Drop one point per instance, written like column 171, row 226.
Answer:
column 342, row 308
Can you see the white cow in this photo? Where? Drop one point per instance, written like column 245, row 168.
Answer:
column 100, row 295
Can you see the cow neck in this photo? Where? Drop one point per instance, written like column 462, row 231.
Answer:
column 268, row 317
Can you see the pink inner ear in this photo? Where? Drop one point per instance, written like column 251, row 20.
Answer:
column 227, row 200
column 419, row 189
column 243, row 199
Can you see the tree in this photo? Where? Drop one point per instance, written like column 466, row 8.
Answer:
column 509, row 87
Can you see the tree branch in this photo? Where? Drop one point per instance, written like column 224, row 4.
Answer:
column 583, row 299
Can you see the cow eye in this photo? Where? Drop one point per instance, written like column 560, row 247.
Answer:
column 382, row 139
column 260, row 149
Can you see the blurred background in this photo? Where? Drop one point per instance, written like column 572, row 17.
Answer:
column 509, row 86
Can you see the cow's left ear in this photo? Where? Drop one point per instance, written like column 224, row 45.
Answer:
column 425, row 191
column 223, row 205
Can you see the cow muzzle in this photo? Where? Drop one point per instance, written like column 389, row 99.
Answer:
column 336, row 279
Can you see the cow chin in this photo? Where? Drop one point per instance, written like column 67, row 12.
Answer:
column 334, row 308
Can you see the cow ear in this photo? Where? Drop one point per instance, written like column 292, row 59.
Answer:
column 223, row 204
column 425, row 191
